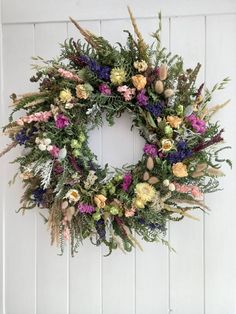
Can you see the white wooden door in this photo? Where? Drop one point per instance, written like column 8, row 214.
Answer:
column 200, row 278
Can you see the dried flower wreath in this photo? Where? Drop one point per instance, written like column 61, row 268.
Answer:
column 60, row 172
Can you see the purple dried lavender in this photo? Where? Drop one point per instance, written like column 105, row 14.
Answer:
column 86, row 208
column 142, row 99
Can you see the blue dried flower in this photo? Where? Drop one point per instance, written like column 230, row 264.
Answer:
column 182, row 153
column 155, row 109
column 103, row 72
column 38, row 195
column 21, row 137
column 100, row 227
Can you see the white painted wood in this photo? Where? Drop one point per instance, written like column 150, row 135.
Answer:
column 118, row 149
column 152, row 264
column 57, row 10
column 52, row 272
column 86, row 267
column 2, row 206
column 19, row 231
column 186, row 237
column 220, row 234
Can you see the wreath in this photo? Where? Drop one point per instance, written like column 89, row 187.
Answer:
column 180, row 160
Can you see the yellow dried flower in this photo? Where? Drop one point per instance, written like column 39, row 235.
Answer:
column 139, row 81
column 100, row 200
column 138, row 203
column 81, row 91
column 141, row 66
column 174, row 121
column 65, row 95
column 145, row 192
column 180, row 170
column 118, row 76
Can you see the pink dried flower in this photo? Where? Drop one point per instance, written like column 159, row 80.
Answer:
column 54, row 151
column 42, row 116
column 69, row 75
column 126, row 92
column 190, row 189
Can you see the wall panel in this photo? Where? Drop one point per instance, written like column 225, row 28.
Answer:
column 186, row 237
column 59, row 10
column 18, row 45
column 220, row 234
column 53, row 271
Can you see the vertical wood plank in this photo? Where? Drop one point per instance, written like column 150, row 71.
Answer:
column 19, row 231
column 152, row 264
column 86, row 266
column 220, row 234
column 2, row 199
column 117, row 149
column 186, row 237
column 52, row 270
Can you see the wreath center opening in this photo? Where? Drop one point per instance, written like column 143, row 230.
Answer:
column 117, row 145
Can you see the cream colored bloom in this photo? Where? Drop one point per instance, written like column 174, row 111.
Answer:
column 174, row 121
column 100, row 200
column 72, row 195
column 180, row 170
column 166, row 145
column 26, row 175
column 65, row 95
column 81, row 91
column 145, row 192
column 141, row 66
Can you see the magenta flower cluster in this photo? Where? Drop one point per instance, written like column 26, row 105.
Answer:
column 127, row 180
column 197, row 124
column 62, row 121
column 150, row 150
column 104, row 89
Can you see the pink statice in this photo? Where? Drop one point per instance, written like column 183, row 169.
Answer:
column 127, row 180
column 69, row 75
column 126, row 92
column 54, row 151
column 86, row 208
column 61, row 121
column 150, row 150
column 104, row 89
column 189, row 189
column 41, row 116
column 66, row 233
column 197, row 124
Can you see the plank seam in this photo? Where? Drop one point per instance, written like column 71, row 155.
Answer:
column 120, row 18
column 3, row 270
column 169, row 257
column 204, row 215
